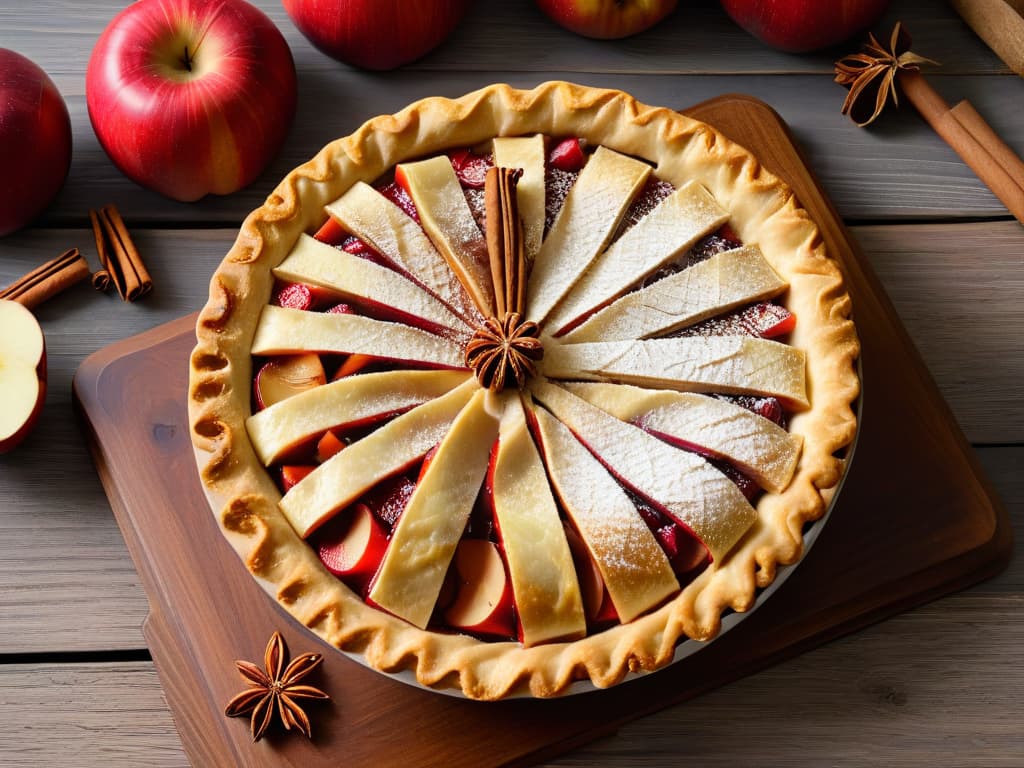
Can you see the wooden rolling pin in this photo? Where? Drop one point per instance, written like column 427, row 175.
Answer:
column 1000, row 23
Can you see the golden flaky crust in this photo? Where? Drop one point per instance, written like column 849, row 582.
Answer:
column 763, row 211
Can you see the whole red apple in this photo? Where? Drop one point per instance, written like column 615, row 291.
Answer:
column 607, row 19
column 35, row 141
column 189, row 97
column 375, row 34
column 804, row 25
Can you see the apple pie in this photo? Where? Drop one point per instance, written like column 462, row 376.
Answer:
column 523, row 388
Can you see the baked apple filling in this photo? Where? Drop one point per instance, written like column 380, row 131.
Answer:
column 643, row 413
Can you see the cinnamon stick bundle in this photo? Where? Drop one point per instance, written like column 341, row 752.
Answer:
column 872, row 75
column 47, row 280
column 121, row 263
column 505, row 242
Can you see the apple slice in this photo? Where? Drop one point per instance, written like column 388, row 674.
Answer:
column 282, row 331
column 353, row 364
column 328, row 446
column 720, row 283
column 448, row 221
column 544, row 582
column 679, row 483
column 760, row 448
column 292, row 474
column 386, row 451
column 526, row 152
column 376, row 220
column 286, row 376
column 483, row 591
column 632, row 564
column 567, row 155
column 588, row 219
column 343, row 404
column 728, row 364
column 426, row 535
column 22, row 373
column 592, row 587
column 353, row 548
column 678, row 222
column 363, row 282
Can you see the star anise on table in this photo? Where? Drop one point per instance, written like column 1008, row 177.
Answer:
column 276, row 689
column 505, row 351
column 871, row 74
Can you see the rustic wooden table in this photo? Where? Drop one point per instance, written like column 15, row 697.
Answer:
column 939, row 685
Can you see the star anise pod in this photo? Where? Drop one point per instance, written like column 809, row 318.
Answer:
column 871, row 74
column 505, row 351
column 276, row 689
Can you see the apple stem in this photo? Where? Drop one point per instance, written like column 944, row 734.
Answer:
column 187, row 61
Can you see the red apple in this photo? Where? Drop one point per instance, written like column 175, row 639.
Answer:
column 288, row 375
column 353, row 548
column 607, row 19
column 804, row 25
column 483, row 598
column 35, row 141
column 189, row 97
column 22, row 373
column 375, row 34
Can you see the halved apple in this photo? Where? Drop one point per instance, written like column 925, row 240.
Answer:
column 587, row 221
column 287, row 376
column 483, row 594
column 353, row 548
column 345, row 404
column 22, row 373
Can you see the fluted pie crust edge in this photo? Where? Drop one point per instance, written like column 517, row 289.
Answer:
column 244, row 497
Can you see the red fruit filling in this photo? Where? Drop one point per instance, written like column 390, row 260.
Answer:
column 398, row 195
column 471, row 169
column 567, row 155
column 764, row 320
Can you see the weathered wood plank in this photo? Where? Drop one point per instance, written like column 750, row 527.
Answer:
column 514, row 35
column 957, row 290
column 936, row 686
column 898, row 169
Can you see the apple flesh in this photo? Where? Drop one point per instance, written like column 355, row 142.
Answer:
column 798, row 26
column 35, row 141
column 288, row 375
column 352, row 549
column 22, row 373
column 483, row 597
column 190, row 97
column 375, row 34
column 607, row 19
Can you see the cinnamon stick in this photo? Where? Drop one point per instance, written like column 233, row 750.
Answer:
column 937, row 113
column 118, row 255
column 969, row 118
column 505, row 243
column 1000, row 23
column 47, row 280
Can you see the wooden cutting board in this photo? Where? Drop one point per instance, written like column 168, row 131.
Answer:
column 916, row 519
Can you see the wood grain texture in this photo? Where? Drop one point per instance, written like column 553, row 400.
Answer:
column 698, row 38
column 892, row 694
column 937, row 686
